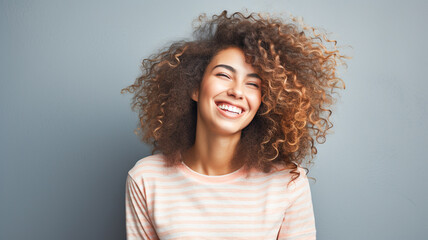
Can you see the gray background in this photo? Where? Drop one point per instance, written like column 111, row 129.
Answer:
column 67, row 141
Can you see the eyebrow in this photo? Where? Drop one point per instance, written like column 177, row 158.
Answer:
column 254, row 75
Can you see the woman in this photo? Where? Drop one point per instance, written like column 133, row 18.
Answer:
column 232, row 115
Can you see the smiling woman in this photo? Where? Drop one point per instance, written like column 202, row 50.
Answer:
column 232, row 116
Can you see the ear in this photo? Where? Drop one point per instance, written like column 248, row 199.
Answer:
column 195, row 95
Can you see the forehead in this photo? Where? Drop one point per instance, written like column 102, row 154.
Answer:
column 232, row 56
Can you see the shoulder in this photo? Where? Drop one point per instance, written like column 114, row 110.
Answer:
column 286, row 172
column 280, row 175
column 148, row 162
column 150, row 166
column 293, row 179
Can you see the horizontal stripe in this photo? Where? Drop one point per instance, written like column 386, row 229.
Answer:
column 265, row 213
column 301, row 235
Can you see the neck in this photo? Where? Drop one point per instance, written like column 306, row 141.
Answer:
column 212, row 154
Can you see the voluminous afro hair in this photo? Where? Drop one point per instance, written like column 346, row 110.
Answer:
column 298, row 70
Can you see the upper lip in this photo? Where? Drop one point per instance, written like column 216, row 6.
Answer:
column 229, row 103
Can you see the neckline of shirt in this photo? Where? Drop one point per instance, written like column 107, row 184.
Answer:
column 210, row 179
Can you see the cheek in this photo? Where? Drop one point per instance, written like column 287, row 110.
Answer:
column 212, row 89
column 205, row 91
column 255, row 101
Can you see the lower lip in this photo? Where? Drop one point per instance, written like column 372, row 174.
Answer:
column 229, row 114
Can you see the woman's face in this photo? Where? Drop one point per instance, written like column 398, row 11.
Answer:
column 229, row 95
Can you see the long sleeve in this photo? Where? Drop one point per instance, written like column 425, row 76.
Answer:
column 299, row 221
column 138, row 222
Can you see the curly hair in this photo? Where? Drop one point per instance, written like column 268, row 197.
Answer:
column 297, row 64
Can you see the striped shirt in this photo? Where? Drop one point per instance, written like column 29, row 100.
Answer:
column 179, row 203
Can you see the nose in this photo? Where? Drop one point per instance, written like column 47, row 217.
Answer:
column 235, row 91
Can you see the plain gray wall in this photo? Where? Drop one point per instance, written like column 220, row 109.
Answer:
column 67, row 141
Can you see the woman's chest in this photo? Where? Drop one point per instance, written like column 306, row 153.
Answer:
column 213, row 212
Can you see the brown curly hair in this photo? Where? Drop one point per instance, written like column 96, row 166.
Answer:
column 298, row 67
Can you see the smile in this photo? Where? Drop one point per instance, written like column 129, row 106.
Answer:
column 230, row 108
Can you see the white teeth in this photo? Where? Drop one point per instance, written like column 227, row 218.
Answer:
column 230, row 108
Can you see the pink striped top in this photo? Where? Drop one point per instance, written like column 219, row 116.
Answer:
column 179, row 203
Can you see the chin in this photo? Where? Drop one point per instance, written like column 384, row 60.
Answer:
column 228, row 130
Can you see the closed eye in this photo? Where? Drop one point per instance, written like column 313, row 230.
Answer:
column 222, row 75
column 254, row 84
